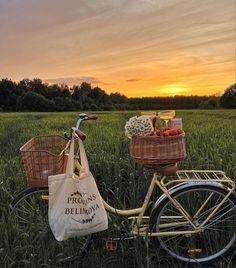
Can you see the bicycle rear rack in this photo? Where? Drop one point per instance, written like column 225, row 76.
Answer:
column 187, row 176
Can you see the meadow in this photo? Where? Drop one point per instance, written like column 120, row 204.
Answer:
column 211, row 144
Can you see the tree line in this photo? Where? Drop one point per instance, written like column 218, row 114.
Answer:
column 35, row 95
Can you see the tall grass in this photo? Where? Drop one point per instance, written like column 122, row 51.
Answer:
column 210, row 138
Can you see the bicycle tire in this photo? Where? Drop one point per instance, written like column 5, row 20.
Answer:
column 30, row 208
column 200, row 248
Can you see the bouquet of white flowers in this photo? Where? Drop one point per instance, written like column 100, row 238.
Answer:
column 138, row 126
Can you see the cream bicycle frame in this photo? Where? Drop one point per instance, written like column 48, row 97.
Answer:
column 138, row 226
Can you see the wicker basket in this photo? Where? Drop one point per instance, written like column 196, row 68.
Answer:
column 43, row 156
column 151, row 151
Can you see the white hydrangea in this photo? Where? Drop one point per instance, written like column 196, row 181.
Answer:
column 140, row 126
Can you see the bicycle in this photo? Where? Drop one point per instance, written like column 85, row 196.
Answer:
column 193, row 220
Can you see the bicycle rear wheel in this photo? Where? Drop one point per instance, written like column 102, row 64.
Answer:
column 219, row 234
column 30, row 208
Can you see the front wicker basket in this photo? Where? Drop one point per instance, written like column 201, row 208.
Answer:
column 150, row 151
column 43, row 156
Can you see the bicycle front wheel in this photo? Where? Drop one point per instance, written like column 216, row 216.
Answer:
column 218, row 235
column 30, row 208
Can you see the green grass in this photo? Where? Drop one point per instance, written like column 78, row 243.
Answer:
column 210, row 139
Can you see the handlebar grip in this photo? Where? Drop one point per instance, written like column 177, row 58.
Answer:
column 92, row 117
column 80, row 134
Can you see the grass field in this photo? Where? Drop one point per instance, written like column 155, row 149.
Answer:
column 211, row 144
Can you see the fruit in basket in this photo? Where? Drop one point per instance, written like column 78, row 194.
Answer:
column 153, row 133
column 166, row 128
column 166, row 133
column 139, row 126
column 173, row 132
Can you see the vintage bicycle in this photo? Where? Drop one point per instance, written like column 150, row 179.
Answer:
column 194, row 220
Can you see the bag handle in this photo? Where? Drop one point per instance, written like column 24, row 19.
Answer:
column 70, row 161
column 83, row 157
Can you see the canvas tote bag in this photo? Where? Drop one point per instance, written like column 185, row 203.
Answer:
column 75, row 205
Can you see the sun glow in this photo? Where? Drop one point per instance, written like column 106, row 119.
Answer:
column 174, row 89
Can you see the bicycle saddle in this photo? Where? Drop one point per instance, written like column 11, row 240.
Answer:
column 165, row 169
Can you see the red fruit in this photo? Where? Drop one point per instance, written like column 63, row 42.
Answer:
column 166, row 133
column 152, row 133
column 166, row 128
column 173, row 132
column 157, row 132
column 180, row 131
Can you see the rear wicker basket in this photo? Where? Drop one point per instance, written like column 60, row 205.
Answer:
column 150, row 151
column 43, row 156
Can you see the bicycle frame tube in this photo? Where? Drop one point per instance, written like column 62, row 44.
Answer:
column 137, row 225
column 137, row 211
column 140, row 211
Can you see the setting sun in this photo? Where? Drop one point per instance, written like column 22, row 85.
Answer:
column 174, row 89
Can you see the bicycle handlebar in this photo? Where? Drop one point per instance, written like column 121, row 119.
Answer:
column 83, row 117
column 80, row 134
column 92, row 117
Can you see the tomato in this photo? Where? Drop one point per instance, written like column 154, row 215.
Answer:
column 166, row 133
column 173, row 132
column 180, row 131
column 166, row 128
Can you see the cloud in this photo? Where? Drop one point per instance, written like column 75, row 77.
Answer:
column 133, row 80
column 70, row 81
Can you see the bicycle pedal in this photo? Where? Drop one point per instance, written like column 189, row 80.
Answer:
column 45, row 197
column 111, row 245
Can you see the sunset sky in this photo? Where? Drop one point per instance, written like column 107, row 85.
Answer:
column 136, row 47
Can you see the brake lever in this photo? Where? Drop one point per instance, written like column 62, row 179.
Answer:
column 66, row 136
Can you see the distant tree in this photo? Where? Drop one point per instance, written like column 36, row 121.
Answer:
column 65, row 92
column 24, row 85
column 76, row 94
column 94, row 107
column 211, row 103
column 228, row 99
column 37, row 86
column 8, row 95
column 108, row 107
column 53, row 91
column 32, row 101
column 85, row 88
column 98, row 96
column 86, row 102
column 78, row 106
column 118, row 98
column 64, row 104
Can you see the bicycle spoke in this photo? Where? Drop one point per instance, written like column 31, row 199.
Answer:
column 222, row 215
column 219, row 232
column 214, row 222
